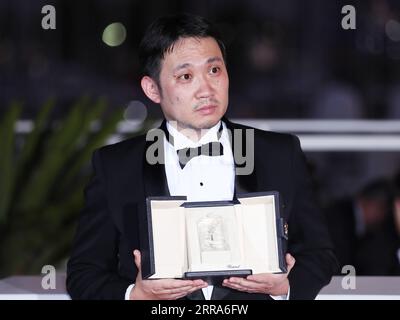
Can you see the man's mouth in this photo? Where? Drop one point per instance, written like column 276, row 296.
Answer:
column 207, row 109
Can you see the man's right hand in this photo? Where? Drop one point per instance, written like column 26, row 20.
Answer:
column 162, row 289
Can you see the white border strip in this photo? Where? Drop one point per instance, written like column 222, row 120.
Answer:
column 34, row 296
column 290, row 125
column 383, row 135
column 357, row 297
column 335, row 126
column 350, row 142
column 28, row 296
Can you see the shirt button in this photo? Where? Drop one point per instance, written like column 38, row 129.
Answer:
column 201, row 183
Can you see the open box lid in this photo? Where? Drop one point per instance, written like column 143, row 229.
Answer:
column 213, row 237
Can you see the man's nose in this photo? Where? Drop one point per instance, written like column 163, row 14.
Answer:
column 205, row 88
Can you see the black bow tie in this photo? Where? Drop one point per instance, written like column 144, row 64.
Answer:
column 211, row 149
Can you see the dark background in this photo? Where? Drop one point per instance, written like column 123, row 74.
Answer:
column 287, row 59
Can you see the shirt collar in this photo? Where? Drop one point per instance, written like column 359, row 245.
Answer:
column 181, row 141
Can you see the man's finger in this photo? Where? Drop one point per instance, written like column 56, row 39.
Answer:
column 263, row 277
column 173, row 290
column 175, row 294
column 239, row 287
column 174, row 283
column 247, row 284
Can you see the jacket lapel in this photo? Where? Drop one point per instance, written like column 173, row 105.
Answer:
column 155, row 180
column 243, row 183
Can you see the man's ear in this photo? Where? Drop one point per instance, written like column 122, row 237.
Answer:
column 150, row 88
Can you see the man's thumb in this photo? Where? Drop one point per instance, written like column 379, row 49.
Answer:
column 136, row 254
column 290, row 260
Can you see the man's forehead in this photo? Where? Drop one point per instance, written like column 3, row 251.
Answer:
column 184, row 50
column 188, row 52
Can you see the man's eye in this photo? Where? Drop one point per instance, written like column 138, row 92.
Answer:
column 185, row 76
column 215, row 70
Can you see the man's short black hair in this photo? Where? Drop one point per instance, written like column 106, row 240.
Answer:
column 164, row 32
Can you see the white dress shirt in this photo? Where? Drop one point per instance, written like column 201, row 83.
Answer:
column 203, row 178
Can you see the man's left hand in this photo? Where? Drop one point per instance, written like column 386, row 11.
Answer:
column 267, row 283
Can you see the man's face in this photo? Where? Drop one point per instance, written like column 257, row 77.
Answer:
column 194, row 84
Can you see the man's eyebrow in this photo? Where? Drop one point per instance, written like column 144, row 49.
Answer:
column 182, row 66
column 186, row 65
column 214, row 59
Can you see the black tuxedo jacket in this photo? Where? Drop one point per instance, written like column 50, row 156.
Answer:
column 102, row 263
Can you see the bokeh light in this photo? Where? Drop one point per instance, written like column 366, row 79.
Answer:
column 392, row 29
column 114, row 34
column 136, row 111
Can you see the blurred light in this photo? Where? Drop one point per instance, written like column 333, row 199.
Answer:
column 136, row 111
column 114, row 34
column 337, row 101
column 264, row 54
column 392, row 29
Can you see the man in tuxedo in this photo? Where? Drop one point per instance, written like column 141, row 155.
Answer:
column 185, row 72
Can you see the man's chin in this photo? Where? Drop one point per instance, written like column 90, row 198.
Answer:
column 208, row 123
column 199, row 125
